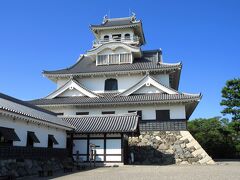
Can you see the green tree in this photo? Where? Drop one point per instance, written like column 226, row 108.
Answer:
column 231, row 98
column 217, row 136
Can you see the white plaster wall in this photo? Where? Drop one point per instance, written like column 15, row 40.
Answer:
column 113, row 146
column 96, row 84
column 148, row 111
column 42, row 132
column 61, row 82
column 163, row 78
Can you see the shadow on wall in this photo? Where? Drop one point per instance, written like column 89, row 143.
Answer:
column 147, row 155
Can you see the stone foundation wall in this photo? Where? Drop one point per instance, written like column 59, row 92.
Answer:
column 167, row 147
column 26, row 167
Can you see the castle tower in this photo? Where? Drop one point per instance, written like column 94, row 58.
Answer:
column 125, row 100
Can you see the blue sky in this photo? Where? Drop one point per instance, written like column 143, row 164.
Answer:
column 49, row 35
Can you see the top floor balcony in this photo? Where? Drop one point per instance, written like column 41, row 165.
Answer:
column 132, row 40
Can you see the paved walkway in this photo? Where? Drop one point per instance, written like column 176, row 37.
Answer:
column 220, row 171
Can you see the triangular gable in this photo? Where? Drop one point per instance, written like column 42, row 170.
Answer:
column 148, row 89
column 72, row 85
column 71, row 92
column 148, row 81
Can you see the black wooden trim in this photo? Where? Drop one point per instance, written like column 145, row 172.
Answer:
column 170, row 125
column 105, row 146
column 82, row 138
column 122, row 150
column 108, row 112
column 87, row 147
column 42, row 153
column 82, row 113
column 98, row 154
column 104, row 162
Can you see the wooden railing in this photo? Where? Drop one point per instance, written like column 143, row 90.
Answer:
column 7, row 152
column 134, row 39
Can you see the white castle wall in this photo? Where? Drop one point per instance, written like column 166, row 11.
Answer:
column 21, row 127
column 148, row 111
column 96, row 84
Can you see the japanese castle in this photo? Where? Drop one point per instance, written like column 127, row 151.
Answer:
column 125, row 101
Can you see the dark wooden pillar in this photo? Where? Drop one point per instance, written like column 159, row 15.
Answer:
column 122, row 148
column 88, row 147
column 104, row 148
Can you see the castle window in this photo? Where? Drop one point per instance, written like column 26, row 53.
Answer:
column 82, row 113
column 59, row 114
column 51, row 141
column 106, row 38
column 127, row 36
column 117, row 37
column 107, row 59
column 111, row 85
column 108, row 112
column 7, row 136
column 162, row 115
column 31, row 139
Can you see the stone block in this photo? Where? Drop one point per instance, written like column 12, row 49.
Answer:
column 192, row 160
column 163, row 147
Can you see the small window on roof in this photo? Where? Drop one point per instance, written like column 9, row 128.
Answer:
column 108, row 112
column 111, row 85
column 59, row 114
column 117, row 37
column 82, row 113
column 127, row 36
column 106, row 38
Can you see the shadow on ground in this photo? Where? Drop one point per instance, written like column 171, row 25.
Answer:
column 147, row 155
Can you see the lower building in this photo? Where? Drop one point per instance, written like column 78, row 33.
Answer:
column 105, row 137
column 29, row 135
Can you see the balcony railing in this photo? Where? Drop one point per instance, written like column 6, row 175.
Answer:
column 114, row 59
column 130, row 40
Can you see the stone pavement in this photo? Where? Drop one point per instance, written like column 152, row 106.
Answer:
column 219, row 171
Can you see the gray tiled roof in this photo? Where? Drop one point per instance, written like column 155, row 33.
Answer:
column 16, row 106
column 109, row 99
column 87, row 65
column 117, row 22
column 125, row 123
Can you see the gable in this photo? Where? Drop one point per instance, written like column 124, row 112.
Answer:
column 148, row 85
column 147, row 89
column 71, row 88
column 71, row 92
